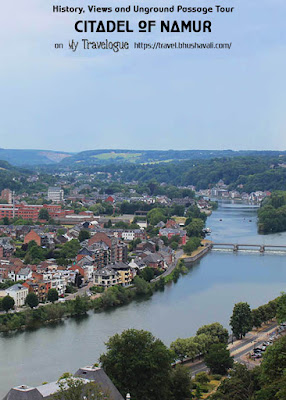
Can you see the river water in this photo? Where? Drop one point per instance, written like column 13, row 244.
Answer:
column 206, row 294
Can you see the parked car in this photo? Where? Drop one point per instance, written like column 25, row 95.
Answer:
column 256, row 355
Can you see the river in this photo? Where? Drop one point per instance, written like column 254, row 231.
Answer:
column 206, row 294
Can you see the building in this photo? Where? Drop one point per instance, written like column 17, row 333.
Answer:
column 118, row 250
column 41, row 238
column 6, row 247
column 40, row 288
column 169, row 232
column 106, row 277
column 124, row 272
column 24, row 274
column 56, row 194
column 48, row 390
column 18, row 293
column 7, row 195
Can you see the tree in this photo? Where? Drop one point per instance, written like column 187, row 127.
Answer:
column 240, row 385
column 61, row 231
column 6, row 221
column 203, row 342
column 256, row 318
column 44, row 214
column 8, row 303
column 202, row 377
column 181, row 385
column 241, row 320
column 147, row 273
column 216, row 331
column 281, row 308
column 179, row 347
column 155, row 216
column 274, row 361
column 83, row 235
column 80, row 305
column 218, row 359
column 53, row 295
column 192, row 348
column 192, row 245
column 142, row 287
column 195, row 227
column 73, row 388
column 138, row 363
column 32, row 300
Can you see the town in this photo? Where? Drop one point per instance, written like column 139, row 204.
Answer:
column 77, row 236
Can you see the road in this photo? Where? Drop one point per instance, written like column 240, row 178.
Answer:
column 238, row 348
column 178, row 255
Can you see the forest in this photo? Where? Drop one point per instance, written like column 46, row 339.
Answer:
column 272, row 214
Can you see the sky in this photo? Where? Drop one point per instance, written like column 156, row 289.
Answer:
column 55, row 99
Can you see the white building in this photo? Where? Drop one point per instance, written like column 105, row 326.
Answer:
column 24, row 274
column 59, row 283
column 19, row 294
column 56, row 194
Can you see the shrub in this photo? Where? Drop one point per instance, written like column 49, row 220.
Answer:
column 202, row 377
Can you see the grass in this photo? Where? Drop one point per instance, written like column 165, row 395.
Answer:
column 113, row 155
column 211, row 388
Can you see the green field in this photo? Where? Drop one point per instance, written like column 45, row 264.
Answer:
column 112, row 155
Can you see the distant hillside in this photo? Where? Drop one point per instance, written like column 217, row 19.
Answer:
column 105, row 157
column 32, row 157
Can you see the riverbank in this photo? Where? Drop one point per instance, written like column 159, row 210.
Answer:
column 111, row 298
column 199, row 253
column 205, row 294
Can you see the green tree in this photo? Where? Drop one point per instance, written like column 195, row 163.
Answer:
column 8, row 303
column 142, row 287
column 179, row 347
column 155, row 216
column 81, row 305
column 32, row 300
column 44, row 214
column 192, row 245
column 203, row 342
column 218, row 359
column 147, row 273
column 195, row 227
column 241, row 320
column 53, row 295
column 181, row 386
column 281, row 308
column 202, row 377
column 61, row 231
column 6, row 221
column 140, row 364
column 83, row 235
column 192, row 348
column 256, row 318
column 240, row 385
column 216, row 331
column 273, row 366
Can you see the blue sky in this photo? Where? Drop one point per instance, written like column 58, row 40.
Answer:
column 58, row 100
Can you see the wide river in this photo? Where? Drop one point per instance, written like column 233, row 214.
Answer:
column 206, row 294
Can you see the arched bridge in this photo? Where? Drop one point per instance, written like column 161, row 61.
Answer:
column 240, row 246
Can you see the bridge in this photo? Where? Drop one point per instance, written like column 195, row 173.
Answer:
column 259, row 247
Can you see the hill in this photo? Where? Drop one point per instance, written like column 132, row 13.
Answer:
column 105, row 157
column 32, row 157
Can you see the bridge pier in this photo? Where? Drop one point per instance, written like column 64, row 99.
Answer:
column 262, row 249
column 235, row 247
